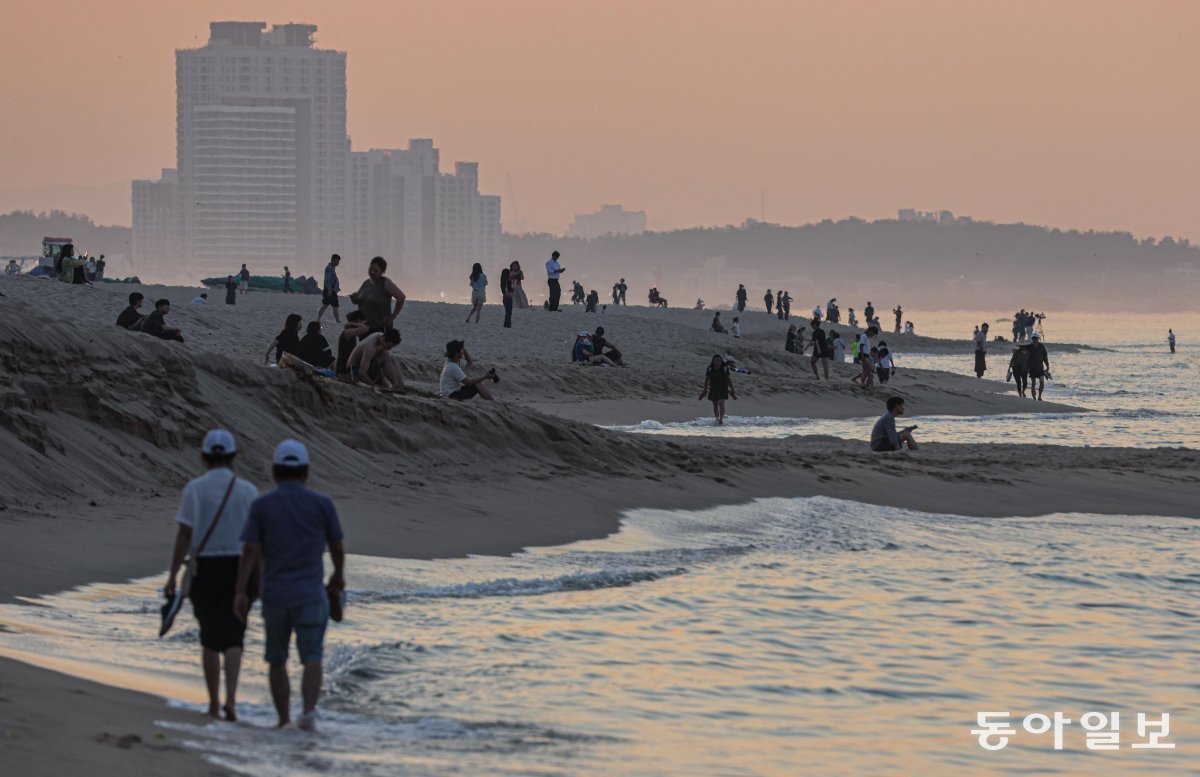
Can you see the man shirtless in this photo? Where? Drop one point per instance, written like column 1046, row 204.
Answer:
column 371, row 361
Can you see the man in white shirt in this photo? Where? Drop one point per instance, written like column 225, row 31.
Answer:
column 218, row 496
column 454, row 382
column 553, row 271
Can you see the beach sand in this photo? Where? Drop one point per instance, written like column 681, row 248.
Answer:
column 99, row 430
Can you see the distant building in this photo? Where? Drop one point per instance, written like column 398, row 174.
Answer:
column 943, row 217
column 609, row 220
column 153, row 242
column 430, row 223
column 266, row 175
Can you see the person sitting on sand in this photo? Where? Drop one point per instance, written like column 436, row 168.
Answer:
column 131, row 317
column 354, row 328
column 717, row 326
column 731, row 365
column 201, row 300
column 718, row 386
column 314, row 348
column 885, row 437
column 789, row 342
column 371, row 362
column 212, row 512
column 287, row 341
column 12, row 268
column 155, row 323
column 374, row 297
column 584, row 352
column 600, row 342
column 908, row 328
column 454, row 383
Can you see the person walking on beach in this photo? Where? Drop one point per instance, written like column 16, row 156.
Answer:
column 1171, row 339
column 553, row 273
column 869, row 314
column 520, row 299
column 287, row 280
column 718, row 386
column 330, row 289
column 374, row 297
column 1018, row 366
column 212, row 514
column 616, row 294
column 623, row 287
column 899, row 313
column 885, row 437
column 478, row 282
column 866, row 378
column 779, row 304
column 287, row 531
column 1039, row 365
column 244, row 280
column 230, row 290
column 821, row 350
column 850, row 318
column 506, row 295
column 768, row 298
column 741, row 298
column 981, row 350
column 787, row 305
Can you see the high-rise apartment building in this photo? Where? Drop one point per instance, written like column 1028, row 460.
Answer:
column 265, row 174
column 153, row 243
column 609, row 220
column 262, row 148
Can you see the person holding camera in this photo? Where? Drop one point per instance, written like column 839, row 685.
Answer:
column 454, row 382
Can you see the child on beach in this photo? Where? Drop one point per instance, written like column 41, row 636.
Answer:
column 718, row 386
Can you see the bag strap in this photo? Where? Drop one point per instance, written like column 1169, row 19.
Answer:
column 216, row 518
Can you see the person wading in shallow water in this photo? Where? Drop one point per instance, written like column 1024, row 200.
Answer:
column 981, row 350
column 718, row 386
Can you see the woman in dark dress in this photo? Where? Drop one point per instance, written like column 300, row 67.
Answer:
column 287, row 341
column 718, row 386
column 789, row 344
column 230, row 291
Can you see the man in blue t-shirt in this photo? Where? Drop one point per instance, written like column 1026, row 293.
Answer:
column 287, row 531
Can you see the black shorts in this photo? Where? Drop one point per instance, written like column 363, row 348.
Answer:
column 212, row 602
column 466, row 392
column 329, row 298
column 884, row 373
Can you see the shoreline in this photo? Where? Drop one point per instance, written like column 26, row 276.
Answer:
column 100, row 427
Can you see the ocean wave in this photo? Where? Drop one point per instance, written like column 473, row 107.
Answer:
column 511, row 586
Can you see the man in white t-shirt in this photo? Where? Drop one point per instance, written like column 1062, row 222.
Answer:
column 867, row 376
column 220, row 496
column 553, row 271
column 454, row 382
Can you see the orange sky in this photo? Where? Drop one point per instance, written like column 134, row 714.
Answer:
column 1074, row 114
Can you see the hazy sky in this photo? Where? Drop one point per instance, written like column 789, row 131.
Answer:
column 1075, row 114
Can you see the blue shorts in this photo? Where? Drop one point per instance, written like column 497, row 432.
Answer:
column 307, row 620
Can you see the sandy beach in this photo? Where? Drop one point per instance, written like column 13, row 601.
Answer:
column 100, row 430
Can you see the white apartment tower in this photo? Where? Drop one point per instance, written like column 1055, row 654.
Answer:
column 153, row 243
column 262, row 150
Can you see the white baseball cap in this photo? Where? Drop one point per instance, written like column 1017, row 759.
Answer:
column 219, row 442
column 291, row 453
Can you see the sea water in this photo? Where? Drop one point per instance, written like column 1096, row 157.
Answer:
column 778, row 637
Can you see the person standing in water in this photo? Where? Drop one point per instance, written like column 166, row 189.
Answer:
column 718, row 386
column 212, row 513
column 1171, row 339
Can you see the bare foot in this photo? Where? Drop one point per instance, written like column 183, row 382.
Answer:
column 214, row 711
column 230, row 713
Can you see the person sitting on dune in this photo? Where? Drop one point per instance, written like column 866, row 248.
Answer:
column 717, row 326
column 584, row 352
column 884, row 436
column 600, row 342
column 314, row 348
column 371, row 361
column 287, row 341
column 454, row 383
column 355, row 327
column 131, row 317
column 155, row 323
